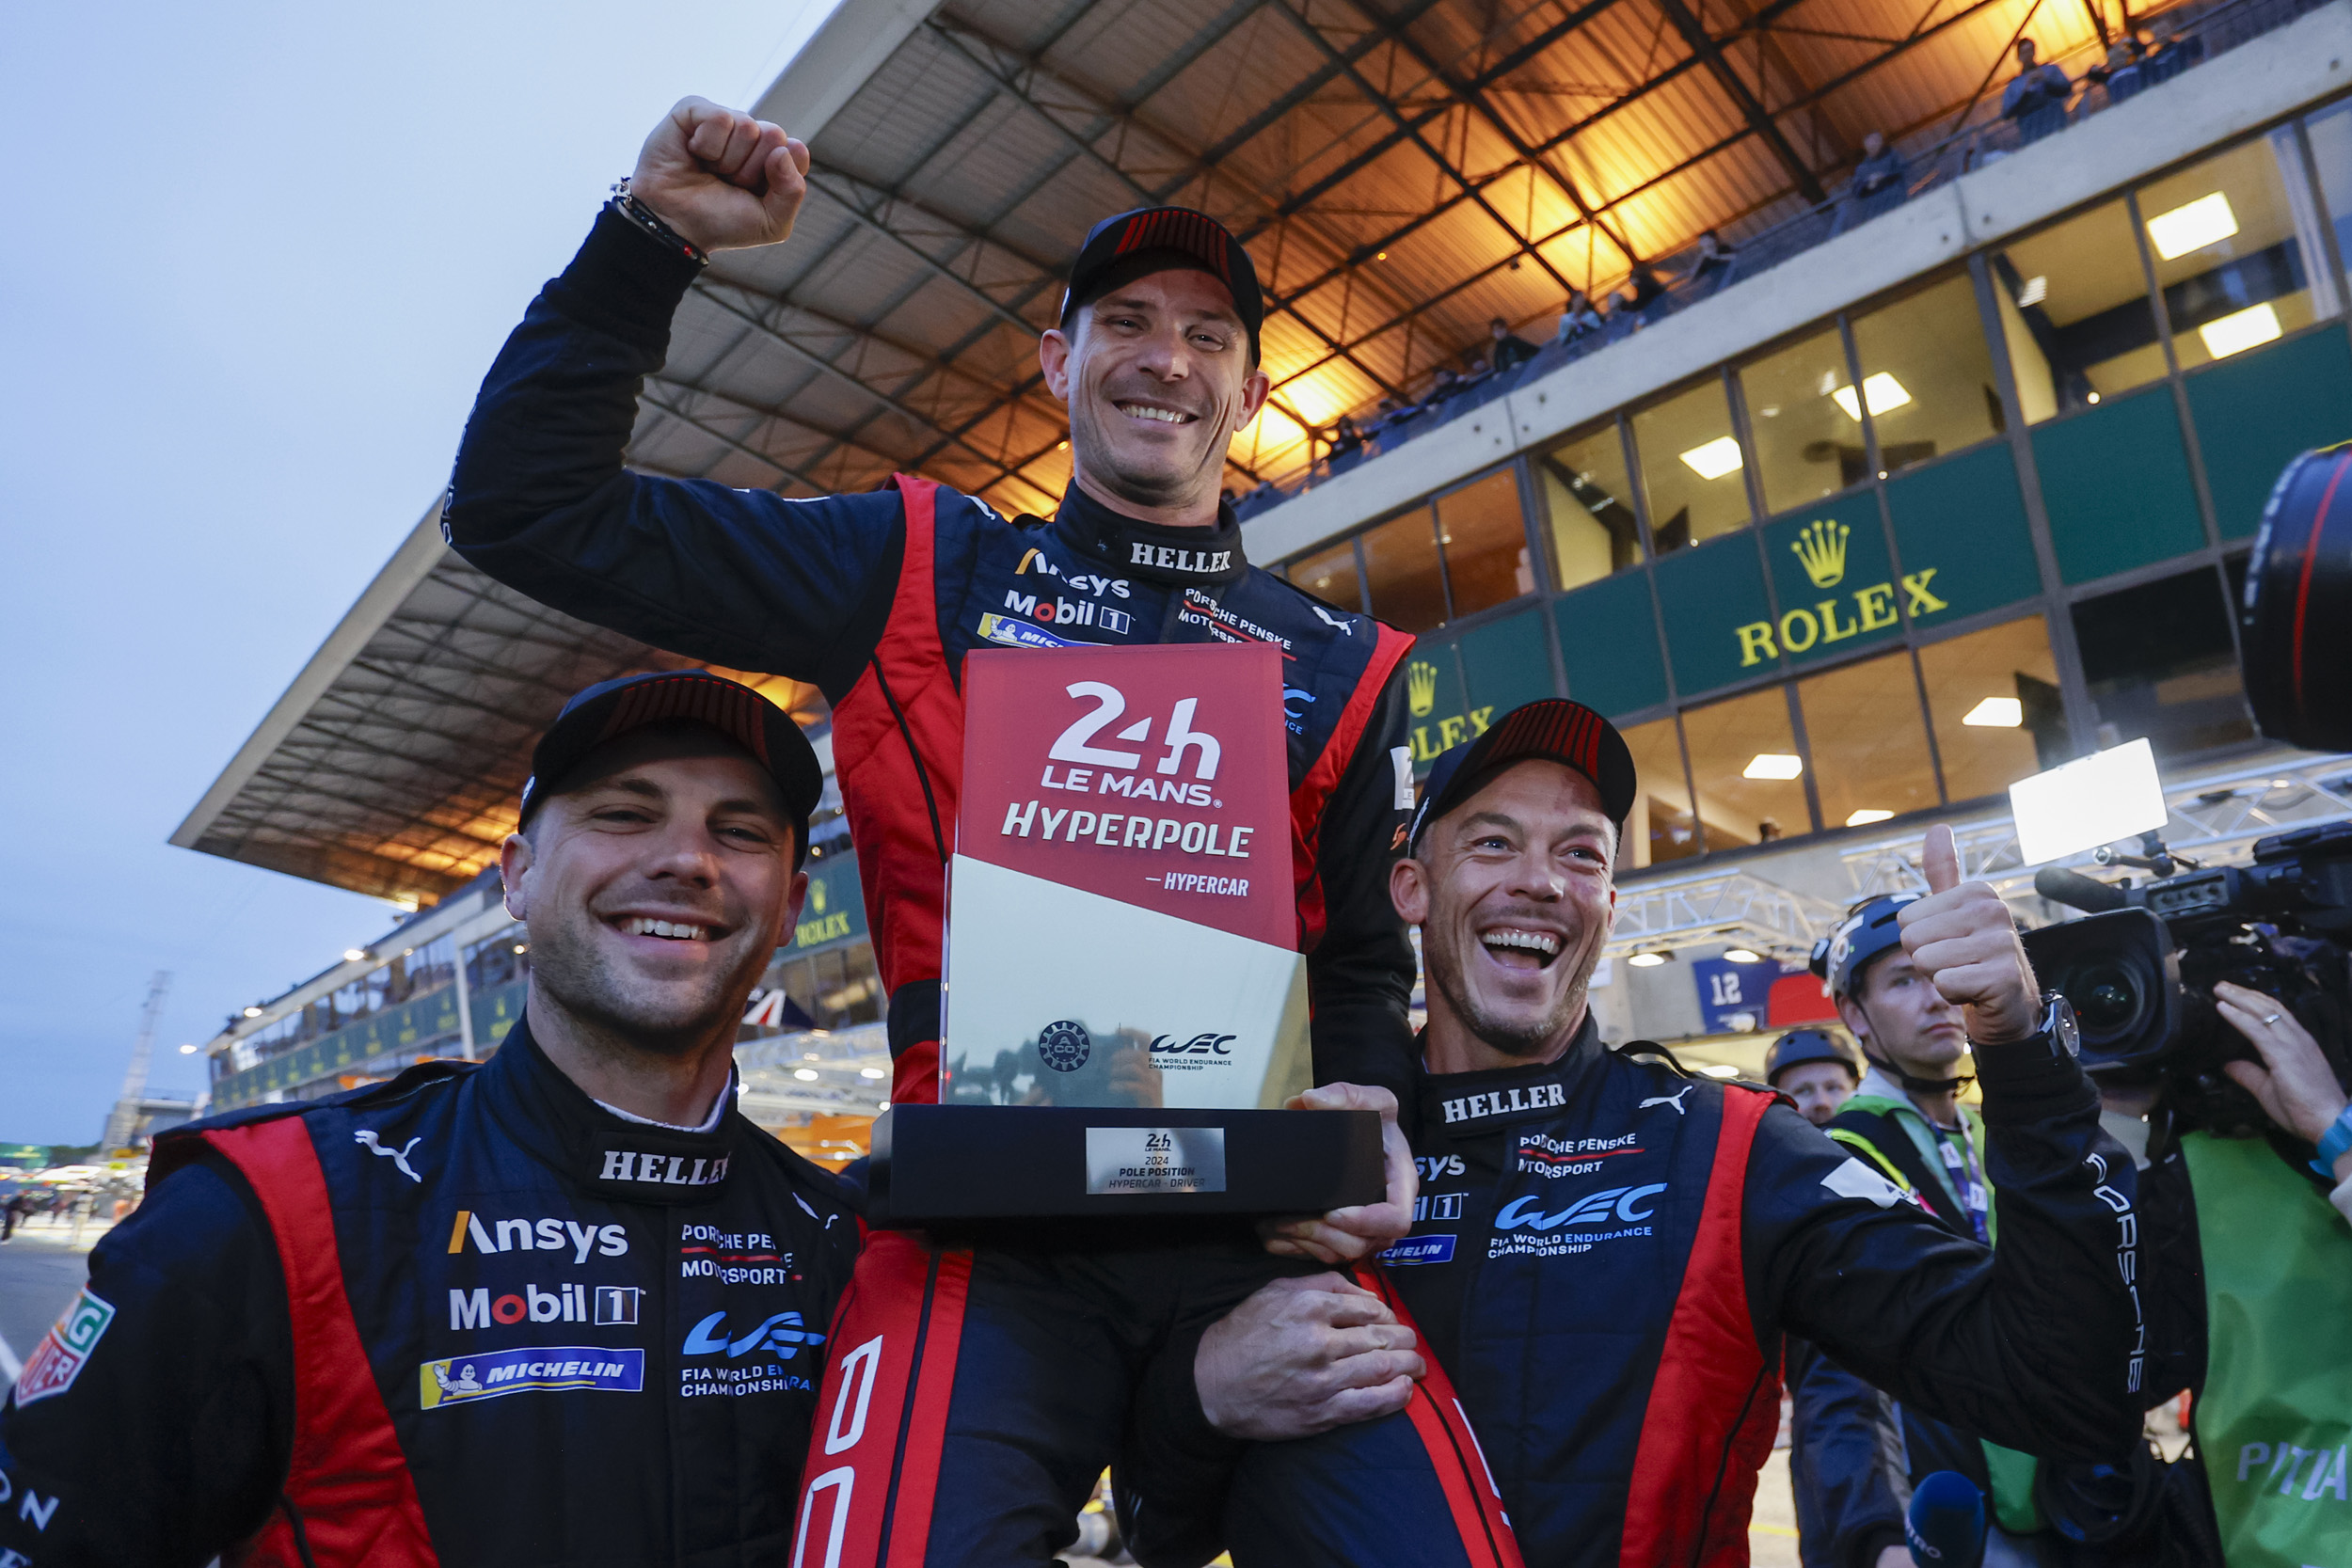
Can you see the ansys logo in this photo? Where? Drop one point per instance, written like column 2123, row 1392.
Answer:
column 1420, row 687
column 1821, row 550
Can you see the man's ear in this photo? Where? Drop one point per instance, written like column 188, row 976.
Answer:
column 515, row 858
column 1053, row 353
column 1409, row 890
column 793, row 900
column 1857, row 1022
column 1254, row 391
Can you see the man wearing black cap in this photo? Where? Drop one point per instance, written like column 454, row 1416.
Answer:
column 1815, row 1069
column 568, row 1306
column 1609, row 1250
column 996, row 1384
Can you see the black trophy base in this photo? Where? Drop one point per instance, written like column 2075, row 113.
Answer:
column 966, row 1166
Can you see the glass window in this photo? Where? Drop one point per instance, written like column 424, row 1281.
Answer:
column 2159, row 664
column 1330, row 576
column 2074, row 313
column 1745, row 768
column 1867, row 741
column 1401, row 572
column 2330, row 132
column 1485, row 535
column 1690, row 467
column 1993, row 696
column 2231, row 239
column 1589, row 531
column 1806, row 446
column 1926, row 375
column 1662, row 826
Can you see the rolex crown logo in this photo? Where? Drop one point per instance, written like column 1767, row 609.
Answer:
column 1420, row 687
column 1821, row 550
column 817, row 896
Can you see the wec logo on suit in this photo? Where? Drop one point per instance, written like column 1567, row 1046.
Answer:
column 1600, row 1207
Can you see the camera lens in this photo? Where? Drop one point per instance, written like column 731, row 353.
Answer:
column 2108, row 999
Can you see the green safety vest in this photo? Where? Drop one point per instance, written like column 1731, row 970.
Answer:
column 2015, row 1508
column 2274, row 1419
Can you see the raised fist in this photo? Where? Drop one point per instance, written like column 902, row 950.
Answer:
column 723, row 180
column 1962, row 939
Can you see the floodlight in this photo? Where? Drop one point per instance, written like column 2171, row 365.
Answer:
column 1715, row 459
column 1741, row 956
column 2109, row 795
column 1866, row 816
column 1719, row 1070
column 2034, row 292
column 1882, row 392
column 253, row 1012
column 807, row 1075
column 871, row 1072
column 354, row 955
column 187, row 1051
column 2192, row 225
column 1772, row 764
column 1646, row 961
column 1995, row 713
column 2240, row 330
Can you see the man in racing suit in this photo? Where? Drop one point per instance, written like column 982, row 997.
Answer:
column 1607, row 1250
column 994, row 1385
column 564, row 1308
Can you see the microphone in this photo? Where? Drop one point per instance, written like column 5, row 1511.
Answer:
column 2061, row 886
column 1945, row 1524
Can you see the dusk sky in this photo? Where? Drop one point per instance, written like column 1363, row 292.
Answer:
column 259, row 258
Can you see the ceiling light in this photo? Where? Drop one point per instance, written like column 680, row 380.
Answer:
column 187, row 1051
column 1715, row 459
column 1382, row 257
column 2239, row 331
column 1866, row 816
column 2094, row 397
column 2034, row 292
column 1646, row 961
column 2283, row 783
column 1061, row 445
column 1772, row 764
column 521, row 948
column 354, row 955
column 2204, row 221
column 253, row 1012
column 1880, row 391
column 806, row 1074
column 871, row 1072
column 1743, row 956
column 1995, row 713
column 1720, row 1070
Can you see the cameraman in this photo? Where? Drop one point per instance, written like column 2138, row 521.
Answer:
column 2250, row 1292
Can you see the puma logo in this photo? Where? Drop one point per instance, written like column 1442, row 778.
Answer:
column 1347, row 627
column 1674, row 1100
column 397, row 1156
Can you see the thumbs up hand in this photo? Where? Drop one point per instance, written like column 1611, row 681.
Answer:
column 1962, row 938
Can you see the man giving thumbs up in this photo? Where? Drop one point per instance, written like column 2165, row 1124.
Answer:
column 1608, row 1251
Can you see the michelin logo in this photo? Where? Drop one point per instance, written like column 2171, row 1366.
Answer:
column 1008, row 632
column 462, row 1379
column 1420, row 1249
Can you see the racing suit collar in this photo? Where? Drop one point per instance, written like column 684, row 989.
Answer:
column 1461, row 1101
column 1179, row 557
column 555, row 1122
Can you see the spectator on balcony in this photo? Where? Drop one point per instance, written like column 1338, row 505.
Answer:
column 1709, row 266
column 1347, row 440
column 2035, row 87
column 1447, row 382
column 1881, row 168
column 1645, row 288
column 1579, row 319
column 1511, row 350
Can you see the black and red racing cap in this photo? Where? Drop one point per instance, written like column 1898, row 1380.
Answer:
column 1195, row 238
column 1551, row 730
column 611, row 710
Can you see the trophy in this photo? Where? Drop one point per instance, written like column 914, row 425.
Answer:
column 1125, row 1004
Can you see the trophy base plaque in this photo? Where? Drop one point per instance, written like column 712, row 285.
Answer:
column 935, row 1164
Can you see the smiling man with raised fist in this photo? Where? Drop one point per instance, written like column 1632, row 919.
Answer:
column 1613, row 1249
column 1015, row 1371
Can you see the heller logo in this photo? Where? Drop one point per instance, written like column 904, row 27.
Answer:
column 1535, row 1097
column 667, row 1170
column 463, row 1379
column 1065, row 1045
column 1170, row 558
column 1821, row 550
column 1420, row 687
column 65, row 1350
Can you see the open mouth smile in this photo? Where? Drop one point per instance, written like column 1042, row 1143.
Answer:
column 1520, row 946
column 1154, row 414
column 669, row 930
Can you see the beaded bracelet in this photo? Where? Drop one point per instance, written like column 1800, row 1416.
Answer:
column 625, row 204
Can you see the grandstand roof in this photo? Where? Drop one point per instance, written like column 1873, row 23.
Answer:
column 1402, row 170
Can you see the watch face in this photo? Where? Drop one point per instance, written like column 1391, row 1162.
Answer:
column 2062, row 1027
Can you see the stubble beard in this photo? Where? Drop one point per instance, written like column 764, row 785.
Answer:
column 565, row 968
column 1519, row 1039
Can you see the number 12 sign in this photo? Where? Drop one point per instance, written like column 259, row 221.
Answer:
column 1120, row 922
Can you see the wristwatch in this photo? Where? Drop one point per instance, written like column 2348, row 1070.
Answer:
column 2057, row 1024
